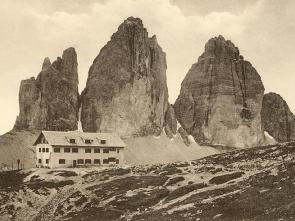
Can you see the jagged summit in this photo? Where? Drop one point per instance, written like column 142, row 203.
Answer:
column 221, row 98
column 126, row 90
column 220, row 47
column 50, row 102
column 46, row 63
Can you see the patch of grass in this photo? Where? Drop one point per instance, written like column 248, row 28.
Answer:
column 175, row 180
column 185, row 190
column 49, row 184
column 140, row 201
column 225, row 178
column 63, row 173
column 11, row 179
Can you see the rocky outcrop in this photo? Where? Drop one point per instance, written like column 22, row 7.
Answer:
column 126, row 90
column 277, row 119
column 170, row 123
column 221, row 98
column 50, row 102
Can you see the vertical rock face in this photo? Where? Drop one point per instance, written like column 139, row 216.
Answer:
column 170, row 124
column 50, row 102
column 126, row 90
column 277, row 119
column 221, row 98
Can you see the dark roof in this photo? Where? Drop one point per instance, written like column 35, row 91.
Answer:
column 58, row 138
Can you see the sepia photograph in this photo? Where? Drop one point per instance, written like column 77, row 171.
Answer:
column 147, row 110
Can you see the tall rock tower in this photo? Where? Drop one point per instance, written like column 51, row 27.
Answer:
column 221, row 98
column 126, row 90
column 50, row 102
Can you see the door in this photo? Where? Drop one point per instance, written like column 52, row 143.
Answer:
column 74, row 163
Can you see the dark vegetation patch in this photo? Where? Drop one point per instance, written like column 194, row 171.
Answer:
column 225, row 178
column 49, row 184
column 139, row 201
column 175, row 180
column 169, row 169
column 107, row 172
column 77, row 199
column 119, row 186
column 94, row 213
column 11, row 180
column 63, row 173
column 184, row 190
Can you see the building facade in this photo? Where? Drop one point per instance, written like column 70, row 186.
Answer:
column 56, row 149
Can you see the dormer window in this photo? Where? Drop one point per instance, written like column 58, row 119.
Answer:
column 88, row 141
column 103, row 141
column 72, row 141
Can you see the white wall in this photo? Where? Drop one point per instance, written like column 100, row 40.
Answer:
column 69, row 157
column 43, row 155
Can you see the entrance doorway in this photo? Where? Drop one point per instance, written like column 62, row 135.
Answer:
column 74, row 163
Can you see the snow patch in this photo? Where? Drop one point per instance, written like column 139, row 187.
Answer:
column 79, row 120
column 191, row 139
column 178, row 124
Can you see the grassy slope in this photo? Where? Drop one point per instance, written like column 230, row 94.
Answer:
column 252, row 184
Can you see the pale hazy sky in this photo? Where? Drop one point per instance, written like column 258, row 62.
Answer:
column 264, row 31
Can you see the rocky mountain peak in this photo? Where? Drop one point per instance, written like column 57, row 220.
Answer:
column 277, row 119
column 46, row 63
column 51, row 101
column 126, row 90
column 221, row 98
column 219, row 47
column 69, row 60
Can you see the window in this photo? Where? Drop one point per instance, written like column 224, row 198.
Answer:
column 47, row 150
column 43, row 150
column 39, row 160
column 105, row 151
column 117, row 161
column 72, row 141
column 96, row 161
column 96, row 150
column 47, row 161
column 87, row 141
column 61, row 161
column 80, row 161
column 118, row 150
column 112, row 149
column 40, row 150
column 67, row 150
column 74, row 150
column 112, row 159
column 103, row 141
column 105, row 161
column 56, row 150
column 88, row 150
column 88, row 161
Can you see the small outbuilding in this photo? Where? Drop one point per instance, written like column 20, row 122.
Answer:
column 74, row 148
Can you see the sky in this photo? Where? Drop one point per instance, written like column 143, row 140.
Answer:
column 264, row 31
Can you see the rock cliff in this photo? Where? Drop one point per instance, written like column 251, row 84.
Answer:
column 221, row 98
column 126, row 90
column 277, row 119
column 50, row 102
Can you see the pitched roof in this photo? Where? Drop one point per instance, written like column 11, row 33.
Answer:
column 58, row 138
